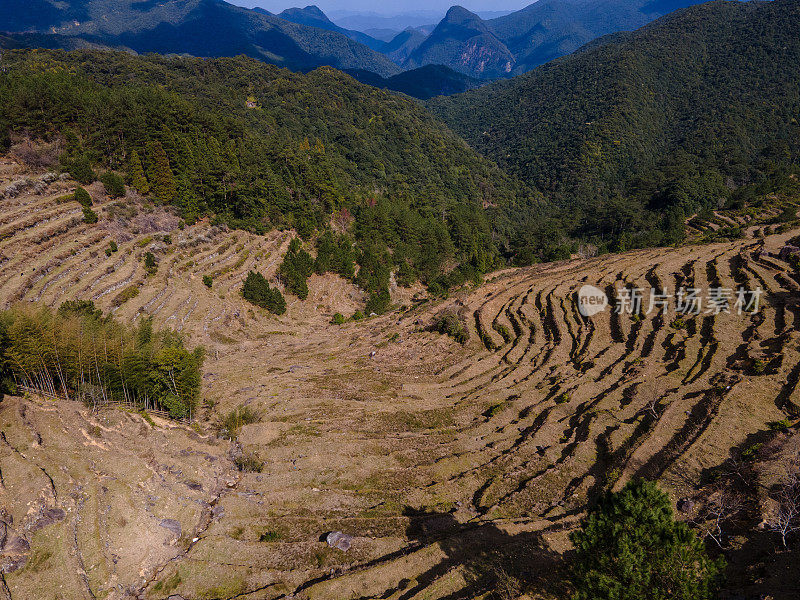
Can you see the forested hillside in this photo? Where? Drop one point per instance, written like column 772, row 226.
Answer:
column 259, row 147
column 515, row 43
column 197, row 27
column 632, row 136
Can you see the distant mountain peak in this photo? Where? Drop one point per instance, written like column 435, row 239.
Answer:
column 458, row 15
column 311, row 11
column 200, row 28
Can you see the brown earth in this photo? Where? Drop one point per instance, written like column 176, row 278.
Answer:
column 456, row 469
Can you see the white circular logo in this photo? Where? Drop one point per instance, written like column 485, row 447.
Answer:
column 591, row 300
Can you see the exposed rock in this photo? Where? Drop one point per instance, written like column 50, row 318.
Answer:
column 14, row 550
column 337, row 539
column 171, row 525
column 685, row 505
column 47, row 517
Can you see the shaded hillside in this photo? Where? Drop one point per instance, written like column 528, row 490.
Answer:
column 403, row 44
column 424, row 82
column 19, row 41
column 632, row 136
column 464, row 43
column 522, row 40
column 312, row 16
column 196, row 27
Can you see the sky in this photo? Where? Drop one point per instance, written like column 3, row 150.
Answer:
column 387, row 7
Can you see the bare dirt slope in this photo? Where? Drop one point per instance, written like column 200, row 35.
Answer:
column 452, row 467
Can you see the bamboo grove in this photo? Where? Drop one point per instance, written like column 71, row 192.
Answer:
column 76, row 353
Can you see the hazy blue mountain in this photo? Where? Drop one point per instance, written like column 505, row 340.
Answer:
column 197, row 27
column 312, row 16
column 536, row 34
column 385, row 35
column 403, row 44
column 360, row 21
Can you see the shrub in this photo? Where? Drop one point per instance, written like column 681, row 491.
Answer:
column 449, row 324
column 80, row 308
column 256, row 290
column 229, row 425
column 751, row 452
column 678, row 323
column 338, row 319
column 630, row 547
column 129, row 293
column 269, row 536
column 378, row 302
column 112, row 245
column 150, row 263
column 114, row 184
column 208, row 281
column 335, row 255
column 781, row 425
column 83, row 197
column 89, row 216
column 247, row 462
column 503, row 331
column 357, row 316
column 759, row 367
column 405, row 275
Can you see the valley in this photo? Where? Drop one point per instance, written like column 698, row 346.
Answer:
column 503, row 308
column 451, row 466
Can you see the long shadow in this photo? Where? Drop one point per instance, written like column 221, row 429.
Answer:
column 486, row 553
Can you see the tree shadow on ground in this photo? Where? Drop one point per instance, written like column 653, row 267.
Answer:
column 488, row 557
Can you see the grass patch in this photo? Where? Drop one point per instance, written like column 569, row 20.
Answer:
column 270, row 536
column 436, row 418
column 129, row 293
column 165, row 586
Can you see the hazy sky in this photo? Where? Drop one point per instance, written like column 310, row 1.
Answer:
column 387, row 7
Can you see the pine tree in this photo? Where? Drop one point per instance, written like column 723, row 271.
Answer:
column 187, row 200
column 630, row 547
column 136, row 175
column 163, row 181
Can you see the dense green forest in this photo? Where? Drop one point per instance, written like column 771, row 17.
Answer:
column 77, row 353
column 260, row 147
column 615, row 146
column 637, row 132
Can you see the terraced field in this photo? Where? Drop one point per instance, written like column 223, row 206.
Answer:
column 453, row 467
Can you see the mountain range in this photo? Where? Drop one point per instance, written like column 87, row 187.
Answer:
column 305, row 38
column 312, row 16
column 640, row 130
column 205, row 28
column 518, row 42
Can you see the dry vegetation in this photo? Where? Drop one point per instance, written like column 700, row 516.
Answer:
column 457, row 468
